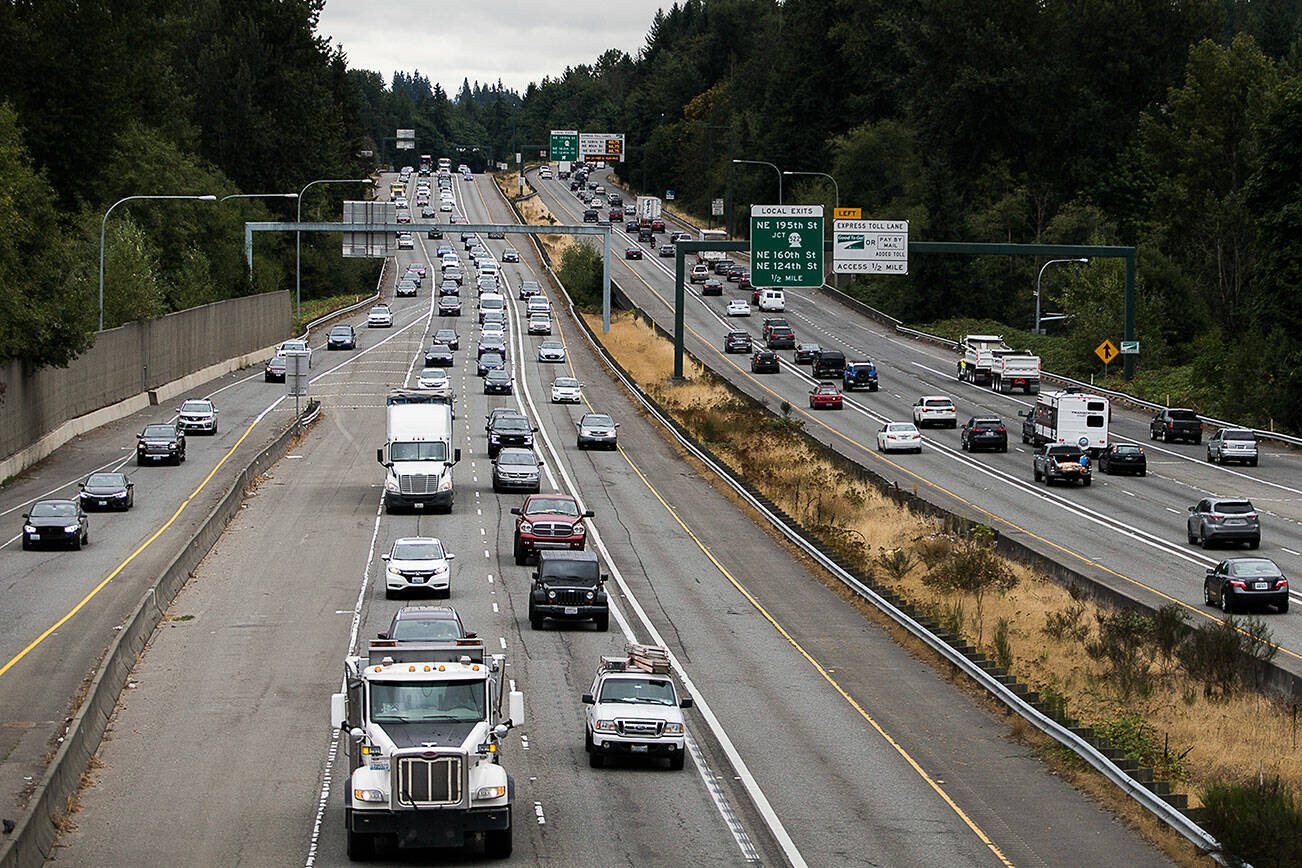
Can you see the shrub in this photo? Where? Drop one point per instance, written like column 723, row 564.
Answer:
column 1003, row 650
column 1139, row 741
column 1066, row 623
column 1123, row 645
column 580, row 271
column 1211, row 656
column 1257, row 821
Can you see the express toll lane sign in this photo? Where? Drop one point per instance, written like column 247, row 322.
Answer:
column 786, row 245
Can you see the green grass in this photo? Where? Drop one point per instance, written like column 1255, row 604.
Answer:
column 315, row 308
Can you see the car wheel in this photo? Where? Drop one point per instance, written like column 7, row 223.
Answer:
column 176, row 460
column 1152, row 435
column 578, row 443
column 1207, row 596
column 603, row 623
column 27, row 545
column 1254, row 543
column 1252, row 463
column 964, row 445
column 1198, row 441
column 1038, row 474
column 1227, row 603
column 1192, row 538
column 1203, row 541
column 390, row 594
column 1143, row 473
column 140, row 462
column 596, row 760
column 1283, row 606
column 521, row 558
column 676, row 761
column 1086, row 481
column 1003, row 448
column 77, row 543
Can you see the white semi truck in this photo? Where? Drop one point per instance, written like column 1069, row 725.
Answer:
column 424, row 729
column 418, row 453
column 648, row 209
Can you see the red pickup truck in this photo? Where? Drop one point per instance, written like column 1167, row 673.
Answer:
column 548, row 521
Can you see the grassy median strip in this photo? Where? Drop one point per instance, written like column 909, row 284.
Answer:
column 1168, row 697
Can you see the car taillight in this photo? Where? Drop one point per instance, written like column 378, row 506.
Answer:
column 1001, row 430
column 1235, row 583
column 1281, row 583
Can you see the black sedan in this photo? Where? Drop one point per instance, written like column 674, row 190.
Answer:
column 439, row 355
column 497, row 382
column 632, row 253
column 342, row 337
column 489, row 362
column 984, row 433
column 805, row 353
column 56, row 523
column 631, row 226
column 764, row 362
column 1239, row 583
column 1124, row 458
column 449, row 337
column 492, row 345
column 737, row 342
column 107, row 491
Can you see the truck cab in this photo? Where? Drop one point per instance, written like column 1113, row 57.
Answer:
column 424, row 729
column 635, row 709
column 418, row 454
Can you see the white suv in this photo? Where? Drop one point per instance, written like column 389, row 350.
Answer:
column 935, row 410
column 635, row 711
column 417, row 563
column 699, row 273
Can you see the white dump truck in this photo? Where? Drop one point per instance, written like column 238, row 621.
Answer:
column 418, row 454
column 1014, row 370
column 977, row 357
column 424, row 729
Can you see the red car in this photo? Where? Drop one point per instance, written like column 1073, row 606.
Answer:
column 632, row 253
column 548, row 521
column 657, row 225
column 825, row 396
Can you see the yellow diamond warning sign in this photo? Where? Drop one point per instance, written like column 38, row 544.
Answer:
column 1107, row 351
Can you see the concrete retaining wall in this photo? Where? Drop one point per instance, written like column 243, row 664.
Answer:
column 44, row 409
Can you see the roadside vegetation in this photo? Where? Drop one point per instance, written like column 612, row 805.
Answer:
column 1170, row 689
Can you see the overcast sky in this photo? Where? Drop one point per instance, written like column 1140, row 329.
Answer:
column 484, row 40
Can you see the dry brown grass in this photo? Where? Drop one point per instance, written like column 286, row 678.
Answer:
column 535, row 213
column 1242, row 736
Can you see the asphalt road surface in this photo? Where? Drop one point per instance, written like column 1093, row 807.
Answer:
column 816, row 739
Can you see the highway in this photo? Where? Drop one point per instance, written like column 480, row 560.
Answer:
column 817, row 740
column 1127, row 531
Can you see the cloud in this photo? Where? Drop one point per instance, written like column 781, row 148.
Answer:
column 485, row 41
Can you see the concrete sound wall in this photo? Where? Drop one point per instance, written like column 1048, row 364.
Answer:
column 47, row 407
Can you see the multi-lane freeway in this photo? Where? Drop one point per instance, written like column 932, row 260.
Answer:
column 1127, row 531
column 815, row 739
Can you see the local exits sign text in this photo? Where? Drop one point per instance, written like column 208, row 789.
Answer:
column 786, row 245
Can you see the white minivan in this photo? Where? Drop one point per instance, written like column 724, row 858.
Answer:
column 491, row 301
column 772, row 300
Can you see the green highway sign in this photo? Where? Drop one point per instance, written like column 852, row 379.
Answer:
column 564, row 145
column 786, row 245
column 1130, row 348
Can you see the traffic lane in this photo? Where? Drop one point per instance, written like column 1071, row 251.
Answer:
column 733, row 533
column 254, row 645
column 820, row 318
column 615, row 490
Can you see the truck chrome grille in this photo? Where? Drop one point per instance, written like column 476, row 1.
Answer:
column 418, row 483
column 422, row 782
column 552, row 529
column 639, row 727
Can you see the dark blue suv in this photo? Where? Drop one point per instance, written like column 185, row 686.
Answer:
column 860, row 375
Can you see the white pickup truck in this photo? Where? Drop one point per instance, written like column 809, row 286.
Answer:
column 634, row 709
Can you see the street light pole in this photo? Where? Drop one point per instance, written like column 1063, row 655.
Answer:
column 103, row 225
column 1038, row 277
column 259, row 196
column 835, row 186
column 298, row 238
column 771, row 166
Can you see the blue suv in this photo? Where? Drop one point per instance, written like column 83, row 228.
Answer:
column 859, row 375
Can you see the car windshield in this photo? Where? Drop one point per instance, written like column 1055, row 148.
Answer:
column 444, row 335
column 380, row 308
column 551, row 345
column 642, row 691
column 293, row 345
column 106, row 479
column 1065, row 453
column 431, row 450
column 566, row 383
column 408, row 629
column 1183, row 415
column 195, row 407
column 425, row 550
column 157, row 431
column 54, row 510
column 553, row 506
column 512, row 423
column 433, row 374
column 1232, row 507
column 1126, row 449
column 937, row 404
column 520, row 457
column 450, row 701
column 902, row 428
column 341, row 331
column 598, row 420
column 1240, row 435
column 499, row 375
column 1255, row 567
column 530, row 284
column 490, row 359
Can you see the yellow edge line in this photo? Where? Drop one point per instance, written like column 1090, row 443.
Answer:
column 120, row 567
column 929, row 483
column 931, row 782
